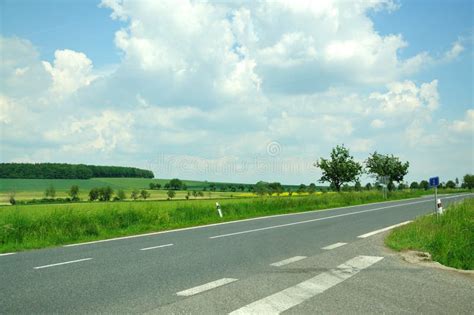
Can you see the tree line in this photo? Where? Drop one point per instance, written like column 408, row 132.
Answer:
column 68, row 171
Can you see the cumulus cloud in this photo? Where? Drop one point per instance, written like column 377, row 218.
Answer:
column 456, row 49
column 464, row 126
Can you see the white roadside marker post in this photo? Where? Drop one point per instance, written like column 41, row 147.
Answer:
column 218, row 206
column 439, row 206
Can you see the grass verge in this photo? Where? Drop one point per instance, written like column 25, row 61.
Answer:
column 37, row 226
column 449, row 239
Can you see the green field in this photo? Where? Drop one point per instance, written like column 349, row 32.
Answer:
column 449, row 238
column 36, row 226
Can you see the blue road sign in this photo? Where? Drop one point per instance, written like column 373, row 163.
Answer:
column 434, row 181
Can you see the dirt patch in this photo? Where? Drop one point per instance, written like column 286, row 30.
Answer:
column 424, row 259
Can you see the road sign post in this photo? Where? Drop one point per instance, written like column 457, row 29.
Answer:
column 434, row 182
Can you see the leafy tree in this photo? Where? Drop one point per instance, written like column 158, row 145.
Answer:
column 12, row 199
column 121, row 195
column 50, row 192
column 200, row 194
column 390, row 186
column 301, row 188
column 457, row 182
column 275, row 188
column 157, row 186
column 74, row 192
column 402, row 186
column 144, row 194
column 195, row 193
column 261, row 188
column 94, row 194
column 346, row 187
column 175, row 184
column 368, row 186
column 167, row 186
column 134, row 195
column 387, row 165
column 340, row 168
column 311, row 188
column 414, row 185
column 171, row 194
column 358, row 186
column 468, row 181
column 105, row 193
column 212, row 187
column 424, row 185
column 450, row 184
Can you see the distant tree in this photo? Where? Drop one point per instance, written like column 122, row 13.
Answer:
column 381, row 165
column 12, row 199
column 74, row 192
column 414, row 185
column 457, row 182
column 105, row 193
column 94, row 194
column 135, row 194
column 275, row 188
column 184, row 187
column 121, row 195
column 195, row 193
column 402, row 186
column 340, row 168
column 171, row 194
column 357, row 186
column 261, row 188
column 157, row 186
column 212, row 187
column 200, row 194
column 311, row 188
column 176, row 184
column 151, row 185
column 290, row 193
column 450, row 184
column 144, row 194
column 368, row 186
column 241, row 187
column 50, row 192
column 441, row 185
column 390, row 186
column 346, row 187
column 424, row 185
column 167, row 186
column 468, row 181
column 301, row 188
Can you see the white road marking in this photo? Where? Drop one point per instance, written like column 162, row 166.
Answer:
column 312, row 220
column 62, row 263
column 336, row 245
column 292, row 296
column 288, row 261
column 251, row 219
column 7, row 254
column 154, row 247
column 206, row 287
column 383, row 230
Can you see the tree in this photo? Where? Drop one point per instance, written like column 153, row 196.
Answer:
column 12, row 199
column 94, row 194
column 368, row 186
column 74, row 192
column 468, row 181
column 450, row 184
column 402, row 186
column 301, row 188
column 200, row 194
column 195, row 193
column 121, row 195
column 424, row 185
column 175, row 184
column 457, row 182
column 381, row 165
column 311, row 188
column 171, row 194
column 358, row 186
column 340, row 168
column 134, row 194
column 50, row 192
column 144, row 194
column 414, row 185
column 275, row 188
column 390, row 186
column 105, row 193
column 261, row 188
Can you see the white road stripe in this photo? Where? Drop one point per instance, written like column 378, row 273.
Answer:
column 336, row 245
column 292, row 296
column 154, row 247
column 251, row 219
column 62, row 263
column 383, row 230
column 206, row 287
column 7, row 254
column 288, row 261
column 312, row 220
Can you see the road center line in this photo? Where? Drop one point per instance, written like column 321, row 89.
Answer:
column 206, row 287
column 159, row 246
column 292, row 296
column 314, row 220
column 7, row 254
column 383, row 230
column 288, row 261
column 62, row 263
column 336, row 245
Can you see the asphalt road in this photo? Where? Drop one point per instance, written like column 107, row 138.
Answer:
column 299, row 263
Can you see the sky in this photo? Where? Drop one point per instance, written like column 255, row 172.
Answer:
column 238, row 91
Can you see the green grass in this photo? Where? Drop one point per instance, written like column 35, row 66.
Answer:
column 38, row 226
column 449, row 239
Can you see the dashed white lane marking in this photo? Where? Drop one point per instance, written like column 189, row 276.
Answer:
column 383, row 230
column 292, row 296
column 288, row 261
column 159, row 246
column 336, row 245
column 206, row 287
column 7, row 254
column 62, row 263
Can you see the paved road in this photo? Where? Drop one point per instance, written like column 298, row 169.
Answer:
column 299, row 263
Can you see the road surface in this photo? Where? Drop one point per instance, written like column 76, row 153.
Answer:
column 329, row 261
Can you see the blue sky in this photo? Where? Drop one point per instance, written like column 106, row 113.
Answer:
column 238, row 91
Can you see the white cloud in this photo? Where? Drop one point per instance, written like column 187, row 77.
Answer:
column 456, row 49
column 377, row 123
column 464, row 126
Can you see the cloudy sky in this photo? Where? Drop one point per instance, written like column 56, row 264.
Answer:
column 237, row 90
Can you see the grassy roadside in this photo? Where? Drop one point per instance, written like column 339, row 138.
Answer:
column 38, row 226
column 449, row 239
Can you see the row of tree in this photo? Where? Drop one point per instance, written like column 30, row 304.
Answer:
column 68, row 171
